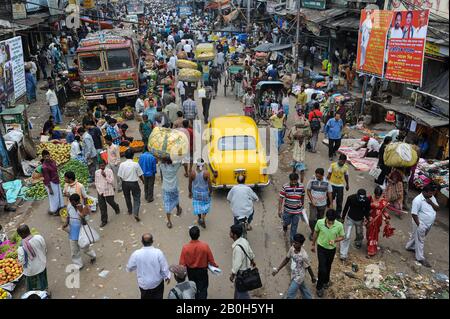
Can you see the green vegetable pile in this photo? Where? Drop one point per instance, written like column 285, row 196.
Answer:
column 38, row 191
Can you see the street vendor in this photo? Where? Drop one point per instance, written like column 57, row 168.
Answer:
column 371, row 145
column 54, row 134
column 72, row 186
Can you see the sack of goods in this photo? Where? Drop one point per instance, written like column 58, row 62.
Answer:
column 165, row 142
column 205, row 52
column 189, row 75
column 400, row 155
column 186, row 64
column 205, row 56
column 182, row 55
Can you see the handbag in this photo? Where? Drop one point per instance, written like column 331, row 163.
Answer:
column 249, row 279
column 87, row 236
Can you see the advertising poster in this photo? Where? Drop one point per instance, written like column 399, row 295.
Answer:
column 373, row 29
column 12, row 71
column 406, row 46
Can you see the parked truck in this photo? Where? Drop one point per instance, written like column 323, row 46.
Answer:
column 108, row 68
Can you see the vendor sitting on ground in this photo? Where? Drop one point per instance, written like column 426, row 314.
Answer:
column 54, row 134
column 123, row 134
column 48, row 125
column 371, row 145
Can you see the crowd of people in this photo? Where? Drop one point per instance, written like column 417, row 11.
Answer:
column 165, row 38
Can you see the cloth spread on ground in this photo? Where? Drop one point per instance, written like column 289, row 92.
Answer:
column 12, row 190
column 357, row 159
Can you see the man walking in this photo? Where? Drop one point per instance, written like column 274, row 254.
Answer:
column 130, row 172
column 315, row 118
column 333, row 130
column 206, row 101
column 113, row 153
column 243, row 258
column 32, row 255
column 183, row 289
column 89, row 152
column 241, row 198
column 291, row 203
column 423, row 212
column 170, row 190
column 147, row 162
column 52, row 101
column 320, row 194
column 104, row 184
column 151, row 269
column 299, row 263
column 338, row 176
column 190, row 108
column 196, row 256
column 327, row 232
column 357, row 211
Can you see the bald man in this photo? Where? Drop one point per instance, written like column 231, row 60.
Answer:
column 151, row 269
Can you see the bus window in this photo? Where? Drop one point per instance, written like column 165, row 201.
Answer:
column 90, row 62
column 119, row 59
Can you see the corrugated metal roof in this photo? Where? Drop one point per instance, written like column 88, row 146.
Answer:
column 321, row 16
column 347, row 23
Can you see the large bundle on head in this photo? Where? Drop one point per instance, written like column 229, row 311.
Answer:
column 165, row 142
column 182, row 55
column 205, row 52
column 186, row 64
column 189, row 75
column 400, row 155
column 287, row 81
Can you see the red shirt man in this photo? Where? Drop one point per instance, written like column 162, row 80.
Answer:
column 196, row 256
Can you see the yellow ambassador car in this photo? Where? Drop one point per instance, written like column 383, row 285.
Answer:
column 234, row 148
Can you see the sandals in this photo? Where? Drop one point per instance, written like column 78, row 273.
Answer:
column 179, row 211
column 169, row 225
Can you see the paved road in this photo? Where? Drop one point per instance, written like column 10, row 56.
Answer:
column 122, row 235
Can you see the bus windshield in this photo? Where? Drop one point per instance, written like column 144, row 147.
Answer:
column 90, row 62
column 119, row 59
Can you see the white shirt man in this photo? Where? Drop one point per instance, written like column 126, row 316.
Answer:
column 423, row 211
column 172, row 63
column 241, row 198
column 51, row 97
column 396, row 33
column 373, row 145
column 187, row 48
column 181, row 89
column 129, row 171
column 139, row 105
column 39, row 262
column 151, row 267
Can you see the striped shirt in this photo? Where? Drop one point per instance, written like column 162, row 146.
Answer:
column 294, row 198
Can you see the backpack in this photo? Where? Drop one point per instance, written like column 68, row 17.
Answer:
column 315, row 123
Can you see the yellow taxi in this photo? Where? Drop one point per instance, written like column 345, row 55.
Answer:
column 234, row 148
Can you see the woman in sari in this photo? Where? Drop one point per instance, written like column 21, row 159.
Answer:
column 378, row 214
column 51, row 182
column 394, row 190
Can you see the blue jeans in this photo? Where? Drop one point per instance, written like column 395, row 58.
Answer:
column 294, row 287
column 280, row 137
column 293, row 220
column 56, row 112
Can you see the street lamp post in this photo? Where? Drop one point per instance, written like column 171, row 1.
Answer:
column 297, row 37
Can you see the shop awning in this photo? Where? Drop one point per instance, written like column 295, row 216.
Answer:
column 346, row 23
column 34, row 20
column 420, row 116
column 322, row 16
column 269, row 47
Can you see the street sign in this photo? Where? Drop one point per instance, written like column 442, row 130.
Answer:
column 19, row 11
column 314, row 4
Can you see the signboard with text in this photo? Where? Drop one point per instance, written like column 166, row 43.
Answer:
column 314, row 4
column 391, row 44
column 12, row 71
column 19, row 11
column 373, row 30
column 406, row 46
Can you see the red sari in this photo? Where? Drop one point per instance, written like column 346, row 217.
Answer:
column 377, row 213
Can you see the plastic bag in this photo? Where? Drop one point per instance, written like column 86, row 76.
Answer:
column 400, row 155
column 88, row 236
column 201, row 93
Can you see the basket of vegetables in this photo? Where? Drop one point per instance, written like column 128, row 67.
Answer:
column 137, row 146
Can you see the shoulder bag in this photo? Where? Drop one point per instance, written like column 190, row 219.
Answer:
column 249, row 279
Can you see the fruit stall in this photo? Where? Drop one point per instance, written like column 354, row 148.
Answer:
column 11, row 271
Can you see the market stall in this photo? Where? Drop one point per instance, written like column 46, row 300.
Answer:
column 428, row 171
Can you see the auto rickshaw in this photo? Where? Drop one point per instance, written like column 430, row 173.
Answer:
column 268, row 98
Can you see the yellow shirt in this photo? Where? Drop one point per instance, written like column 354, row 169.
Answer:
column 301, row 98
column 276, row 121
column 338, row 174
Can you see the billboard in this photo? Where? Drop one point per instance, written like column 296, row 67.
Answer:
column 391, row 44
column 372, row 37
column 406, row 46
column 436, row 7
column 12, row 71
